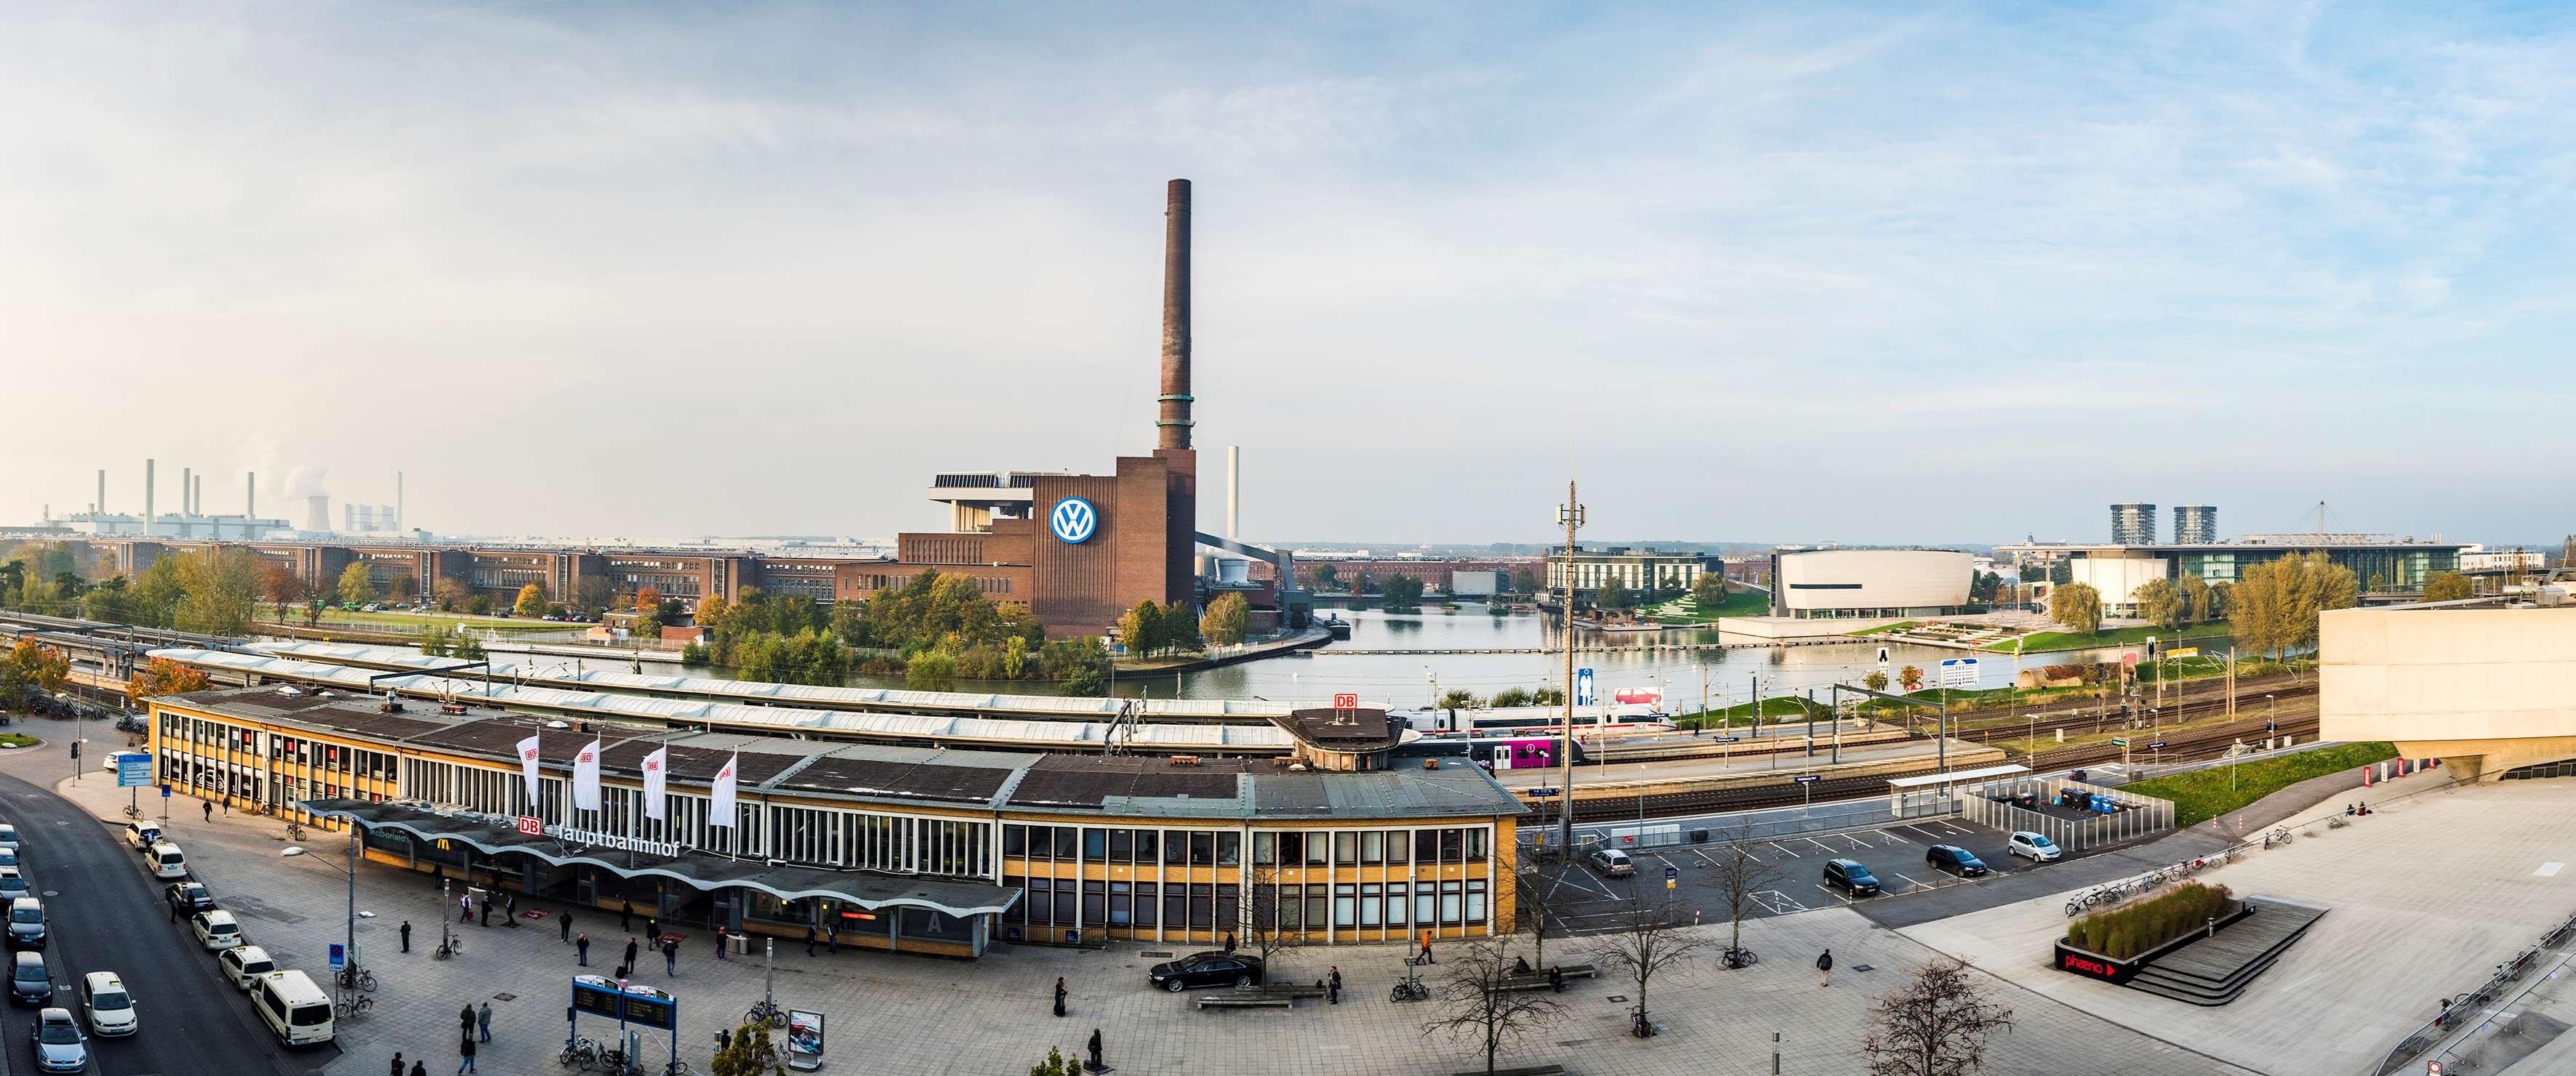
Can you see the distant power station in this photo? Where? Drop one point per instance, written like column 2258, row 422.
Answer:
column 192, row 520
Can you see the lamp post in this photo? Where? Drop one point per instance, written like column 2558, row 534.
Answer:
column 1432, row 678
column 350, row 941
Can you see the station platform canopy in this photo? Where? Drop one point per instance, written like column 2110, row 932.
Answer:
column 1953, row 777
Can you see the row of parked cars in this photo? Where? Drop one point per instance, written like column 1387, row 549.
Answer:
column 104, row 1002
column 1853, row 877
column 296, row 1010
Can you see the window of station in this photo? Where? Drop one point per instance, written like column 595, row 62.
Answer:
column 2565, row 767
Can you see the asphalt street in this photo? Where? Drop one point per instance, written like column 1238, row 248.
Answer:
column 106, row 914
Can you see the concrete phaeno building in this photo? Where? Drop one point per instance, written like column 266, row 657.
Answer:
column 2484, row 689
column 1837, row 584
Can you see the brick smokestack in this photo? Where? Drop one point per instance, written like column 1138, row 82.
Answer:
column 1172, row 425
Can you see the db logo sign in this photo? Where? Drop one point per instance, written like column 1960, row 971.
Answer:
column 532, row 825
column 1346, row 701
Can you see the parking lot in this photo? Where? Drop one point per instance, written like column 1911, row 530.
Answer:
column 1585, row 901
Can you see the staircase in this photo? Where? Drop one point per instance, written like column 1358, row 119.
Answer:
column 2215, row 971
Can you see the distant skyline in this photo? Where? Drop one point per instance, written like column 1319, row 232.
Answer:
column 1797, row 272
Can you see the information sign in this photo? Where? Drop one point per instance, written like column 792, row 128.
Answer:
column 133, row 769
column 804, row 1040
column 1346, row 700
column 1583, row 687
column 1959, row 673
column 1806, row 778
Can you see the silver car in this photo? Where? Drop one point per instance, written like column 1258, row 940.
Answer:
column 59, row 1045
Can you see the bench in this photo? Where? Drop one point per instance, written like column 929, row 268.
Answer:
column 1286, row 990
column 1246, row 1000
column 1538, row 980
column 1532, row 1070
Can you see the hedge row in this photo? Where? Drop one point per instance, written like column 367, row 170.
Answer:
column 2127, row 931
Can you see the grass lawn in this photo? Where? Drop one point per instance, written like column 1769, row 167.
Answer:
column 1690, row 611
column 2069, row 640
column 2205, row 794
column 1883, row 629
column 1775, row 708
column 11, row 739
column 409, row 623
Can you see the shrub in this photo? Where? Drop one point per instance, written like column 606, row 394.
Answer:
column 2134, row 928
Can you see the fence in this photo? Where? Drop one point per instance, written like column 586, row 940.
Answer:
column 1754, row 825
column 2480, row 1010
column 2134, row 815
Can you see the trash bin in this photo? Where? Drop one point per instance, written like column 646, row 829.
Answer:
column 738, row 941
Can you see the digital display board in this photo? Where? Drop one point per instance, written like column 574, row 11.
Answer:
column 598, row 995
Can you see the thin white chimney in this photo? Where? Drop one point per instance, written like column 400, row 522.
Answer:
column 1233, row 492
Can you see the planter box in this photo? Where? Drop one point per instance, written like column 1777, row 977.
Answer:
column 2092, row 965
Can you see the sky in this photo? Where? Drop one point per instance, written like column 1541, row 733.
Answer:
column 1806, row 272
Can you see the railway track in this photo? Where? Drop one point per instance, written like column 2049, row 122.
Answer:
column 2204, row 742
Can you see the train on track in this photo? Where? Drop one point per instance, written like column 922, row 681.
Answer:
column 1494, row 751
column 1592, row 724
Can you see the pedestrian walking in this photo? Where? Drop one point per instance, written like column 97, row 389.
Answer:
column 487, row 911
column 210, row 810
column 1059, row 995
column 1229, row 943
column 581, row 947
column 832, row 938
column 418, row 1069
column 630, row 954
column 465, row 1048
column 652, row 930
column 1095, row 1051
column 1333, row 986
column 465, row 1019
column 405, row 931
column 397, row 1063
column 465, row 907
column 483, row 1023
column 625, row 915
column 720, row 943
column 228, row 806
column 567, row 928
column 1426, row 948
column 670, row 956
column 174, row 907
column 1825, row 969
column 510, row 910
column 809, row 938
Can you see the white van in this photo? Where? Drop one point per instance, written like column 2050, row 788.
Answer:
column 296, row 1010
column 166, row 860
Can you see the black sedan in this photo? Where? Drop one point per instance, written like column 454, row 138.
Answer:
column 1205, row 969
column 191, row 897
column 1956, row 860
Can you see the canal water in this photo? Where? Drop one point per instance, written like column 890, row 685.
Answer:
column 1627, row 661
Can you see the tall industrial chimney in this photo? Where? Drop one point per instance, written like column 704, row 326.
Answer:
column 185, row 507
column 398, row 501
column 250, row 497
column 197, row 496
column 101, row 506
column 1172, row 428
column 1233, row 491
column 147, row 498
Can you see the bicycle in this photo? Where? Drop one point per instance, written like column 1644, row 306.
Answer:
column 581, row 1051
column 676, row 1068
column 352, row 1008
column 361, row 978
column 767, row 1012
column 2336, row 823
column 294, row 832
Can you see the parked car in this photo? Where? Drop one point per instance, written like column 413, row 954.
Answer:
column 13, row 885
column 1611, row 862
column 215, row 930
column 244, row 964
column 59, row 1046
column 1956, row 860
column 2033, row 846
column 1849, row 876
column 141, row 835
column 189, row 896
column 106, row 1003
column 1205, row 969
column 8, row 837
column 30, row 982
column 8, row 857
column 27, row 923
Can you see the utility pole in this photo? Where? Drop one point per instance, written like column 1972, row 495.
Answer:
column 1570, row 514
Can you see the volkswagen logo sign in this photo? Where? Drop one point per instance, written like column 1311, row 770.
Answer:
column 1073, row 520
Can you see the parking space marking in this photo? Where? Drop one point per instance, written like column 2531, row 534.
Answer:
column 1831, row 893
column 1929, row 837
column 1792, row 855
column 1917, row 884
column 1579, row 880
column 1820, row 844
column 1892, row 836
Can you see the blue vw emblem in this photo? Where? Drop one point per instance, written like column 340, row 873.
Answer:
column 1073, row 520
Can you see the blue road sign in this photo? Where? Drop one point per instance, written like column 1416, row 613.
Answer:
column 1671, row 872
column 1806, row 778
column 1544, row 791
column 165, row 790
column 1724, row 739
column 2156, row 746
column 339, row 957
column 1583, row 687
column 133, row 770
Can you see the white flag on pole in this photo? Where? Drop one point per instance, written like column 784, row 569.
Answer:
column 654, row 764
column 585, row 778
column 528, row 767
column 721, row 810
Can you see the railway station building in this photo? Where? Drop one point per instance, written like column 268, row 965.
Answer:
column 914, row 850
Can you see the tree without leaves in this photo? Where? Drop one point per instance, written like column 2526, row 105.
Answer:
column 1534, row 897
column 1265, row 931
column 1740, row 876
column 1648, row 939
column 1470, row 1009
column 1936, row 1025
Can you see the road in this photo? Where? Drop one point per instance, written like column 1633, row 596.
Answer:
column 107, row 915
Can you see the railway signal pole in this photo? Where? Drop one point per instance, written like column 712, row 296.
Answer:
column 1570, row 514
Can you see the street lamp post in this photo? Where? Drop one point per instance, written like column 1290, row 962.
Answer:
column 350, row 941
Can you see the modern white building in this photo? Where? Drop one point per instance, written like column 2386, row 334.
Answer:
column 2484, row 689
column 1639, row 570
column 2480, row 559
column 1848, row 584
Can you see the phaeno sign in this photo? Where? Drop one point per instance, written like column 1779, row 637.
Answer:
column 1073, row 521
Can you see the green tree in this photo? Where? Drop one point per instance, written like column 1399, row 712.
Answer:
column 1547, row 696
column 930, row 670
column 1226, row 620
column 1524, row 581
column 532, row 601
column 2221, row 594
column 435, row 641
column 1911, row 677
column 2061, row 573
column 753, row 1054
column 1875, row 681
column 1709, row 590
column 2447, row 587
column 32, row 668
column 1400, row 591
column 219, row 590
column 1180, row 629
column 1141, row 629
column 2077, row 606
column 466, row 647
column 1327, row 577
column 1080, row 666
column 1056, row 1064
column 1612, row 594
column 2161, row 603
column 1510, row 697
column 1015, row 657
column 1459, row 698
column 355, row 587
column 2195, row 600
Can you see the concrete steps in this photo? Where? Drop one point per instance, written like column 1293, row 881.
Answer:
column 2215, row 971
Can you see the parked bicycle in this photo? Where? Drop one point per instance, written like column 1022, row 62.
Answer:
column 358, row 978
column 351, row 1008
column 294, row 832
column 767, row 1012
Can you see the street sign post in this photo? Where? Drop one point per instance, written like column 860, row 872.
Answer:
column 1806, row 788
column 1672, row 876
column 1583, row 687
column 339, row 958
